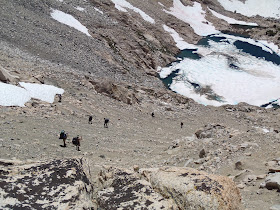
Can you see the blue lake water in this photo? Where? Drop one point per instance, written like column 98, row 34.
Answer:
column 243, row 46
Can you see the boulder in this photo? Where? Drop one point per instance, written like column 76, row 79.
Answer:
column 273, row 181
column 123, row 93
column 202, row 153
column 166, row 188
column 5, row 76
column 57, row 184
column 212, row 131
column 123, row 189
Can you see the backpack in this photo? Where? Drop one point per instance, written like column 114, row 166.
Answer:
column 62, row 134
column 75, row 140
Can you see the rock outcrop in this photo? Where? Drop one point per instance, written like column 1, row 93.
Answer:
column 58, row 184
column 166, row 188
column 211, row 131
column 5, row 76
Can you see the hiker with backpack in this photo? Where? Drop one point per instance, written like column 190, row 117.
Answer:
column 63, row 136
column 106, row 121
column 77, row 142
column 90, row 120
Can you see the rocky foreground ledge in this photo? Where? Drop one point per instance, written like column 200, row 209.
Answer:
column 66, row 184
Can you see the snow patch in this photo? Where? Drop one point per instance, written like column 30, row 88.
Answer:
column 231, row 20
column 180, row 43
column 268, row 8
column 195, row 16
column 69, row 20
column 42, row 92
column 79, row 8
column 11, row 95
column 122, row 4
column 98, row 10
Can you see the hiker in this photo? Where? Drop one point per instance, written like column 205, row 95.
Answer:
column 77, row 141
column 153, row 114
column 59, row 98
column 63, row 136
column 182, row 124
column 106, row 121
column 90, row 120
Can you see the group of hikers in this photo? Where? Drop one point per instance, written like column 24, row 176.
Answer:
column 77, row 140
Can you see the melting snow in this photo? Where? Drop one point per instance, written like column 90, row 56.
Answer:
column 194, row 15
column 122, row 4
column 69, row 20
column 11, row 95
column 180, row 43
column 231, row 20
column 98, row 10
column 255, row 81
column 248, row 40
column 271, row 46
column 79, row 8
column 265, row 8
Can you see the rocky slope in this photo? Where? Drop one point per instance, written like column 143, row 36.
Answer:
column 113, row 74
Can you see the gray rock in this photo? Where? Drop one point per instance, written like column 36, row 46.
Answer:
column 202, row 153
column 211, row 131
column 45, row 185
column 273, row 181
column 166, row 188
column 238, row 165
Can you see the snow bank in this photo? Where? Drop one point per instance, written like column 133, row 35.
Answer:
column 180, row 43
column 69, row 20
column 122, row 4
column 265, row 8
column 42, row 92
column 254, row 81
column 231, row 20
column 11, row 95
column 194, row 15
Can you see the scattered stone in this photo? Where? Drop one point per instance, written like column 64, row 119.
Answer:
column 249, row 178
column 261, row 176
column 273, row 170
column 199, row 161
column 211, row 131
column 202, row 153
column 273, row 181
column 136, row 168
column 239, row 165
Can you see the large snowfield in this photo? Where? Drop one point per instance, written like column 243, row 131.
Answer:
column 264, row 8
column 228, row 73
